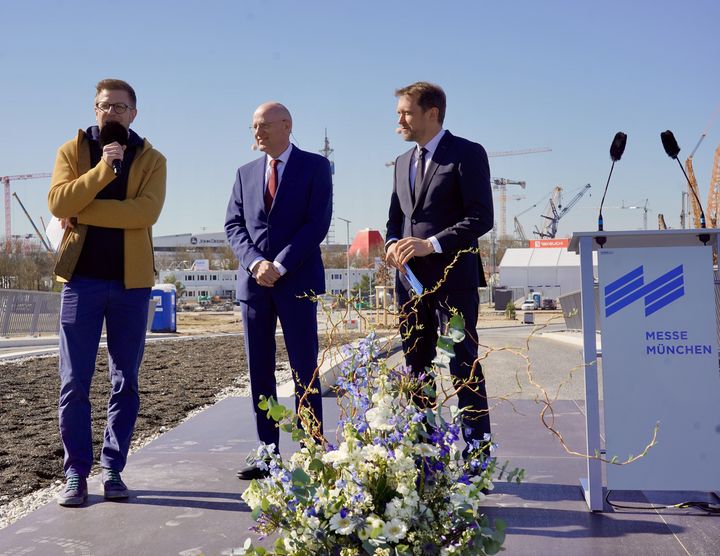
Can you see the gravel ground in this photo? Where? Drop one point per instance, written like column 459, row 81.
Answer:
column 177, row 379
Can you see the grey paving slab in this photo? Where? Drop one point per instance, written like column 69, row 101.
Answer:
column 186, row 498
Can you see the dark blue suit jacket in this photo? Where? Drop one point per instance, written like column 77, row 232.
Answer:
column 454, row 204
column 290, row 233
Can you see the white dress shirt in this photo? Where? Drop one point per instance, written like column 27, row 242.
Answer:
column 283, row 158
column 431, row 147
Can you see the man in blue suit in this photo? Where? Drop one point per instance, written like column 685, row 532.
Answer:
column 278, row 215
column 441, row 204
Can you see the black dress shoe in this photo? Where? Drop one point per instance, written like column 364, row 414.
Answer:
column 250, row 472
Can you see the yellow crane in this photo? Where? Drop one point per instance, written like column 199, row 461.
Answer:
column 713, row 204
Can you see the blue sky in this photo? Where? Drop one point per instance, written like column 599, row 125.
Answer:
column 559, row 74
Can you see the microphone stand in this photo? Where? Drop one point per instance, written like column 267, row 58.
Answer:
column 600, row 240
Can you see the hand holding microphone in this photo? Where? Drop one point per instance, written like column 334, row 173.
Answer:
column 113, row 139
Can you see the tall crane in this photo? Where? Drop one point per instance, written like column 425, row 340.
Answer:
column 519, row 230
column 521, row 151
column 6, row 184
column 500, row 185
column 558, row 211
column 643, row 208
column 327, row 151
column 713, row 204
column 693, row 186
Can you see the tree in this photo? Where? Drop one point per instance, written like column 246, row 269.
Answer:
column 363, row 289
column 179, row 286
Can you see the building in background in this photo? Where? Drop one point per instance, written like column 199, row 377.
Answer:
column 552, row 271
column 199, row 283
column 367, row 245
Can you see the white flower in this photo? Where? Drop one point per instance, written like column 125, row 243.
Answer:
column 395, row 530
column 341, row 525
column 426, row 450
column 373, row 452
column 339, row 455
column 378, row 418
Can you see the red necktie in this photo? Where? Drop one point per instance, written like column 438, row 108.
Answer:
column 271, row 185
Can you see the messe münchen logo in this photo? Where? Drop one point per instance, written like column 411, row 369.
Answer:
column 657, row 294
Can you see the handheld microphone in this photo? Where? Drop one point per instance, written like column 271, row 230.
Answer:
column 672, row 150
column 114, row 132
column 617, row 148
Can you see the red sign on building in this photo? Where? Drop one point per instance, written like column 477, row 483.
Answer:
column 559, row 242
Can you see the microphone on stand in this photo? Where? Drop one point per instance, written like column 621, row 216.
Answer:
column 616, row 151
column 672, row 149
column 114, row 132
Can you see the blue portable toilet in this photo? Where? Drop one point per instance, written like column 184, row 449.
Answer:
column 166, row 308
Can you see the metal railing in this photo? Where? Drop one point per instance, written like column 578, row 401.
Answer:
column 28, row 313
column 32, row 313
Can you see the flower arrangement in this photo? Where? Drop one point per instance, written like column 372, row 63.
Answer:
column 395, row 485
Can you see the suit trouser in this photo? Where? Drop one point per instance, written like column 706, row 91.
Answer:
column 85, row 303
column 432, row 312
column 298, row 318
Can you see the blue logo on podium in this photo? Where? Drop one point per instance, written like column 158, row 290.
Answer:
column 657, row 294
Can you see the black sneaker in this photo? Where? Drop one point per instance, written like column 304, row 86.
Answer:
column 75, row 492
column 113, row 485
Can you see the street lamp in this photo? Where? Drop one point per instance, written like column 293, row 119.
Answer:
column 347, row 255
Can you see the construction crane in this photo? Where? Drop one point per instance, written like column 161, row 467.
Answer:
column 519, row 230
column 713, row 204
column 327, row 151
column 6, row 183
column 500, row 185
column 522, row 151
column 693, row 186
column 661, row 222
column 32, row 222
column 644, row 208
column 557, row 211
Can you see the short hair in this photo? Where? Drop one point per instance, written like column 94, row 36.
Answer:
column 116, row 85
column 427, row 95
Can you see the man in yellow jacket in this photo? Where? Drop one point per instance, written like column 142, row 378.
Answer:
column 108, row 188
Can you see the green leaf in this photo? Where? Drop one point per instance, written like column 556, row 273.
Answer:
column 277, row 412
column 456, row 322
column 300, row 478
column 316, row 465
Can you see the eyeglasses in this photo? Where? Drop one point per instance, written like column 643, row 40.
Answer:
column 118, row 107
column 264, row 126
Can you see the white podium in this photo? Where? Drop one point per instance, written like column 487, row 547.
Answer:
column 660, row 366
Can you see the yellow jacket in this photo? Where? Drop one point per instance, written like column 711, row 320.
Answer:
column 72, row 194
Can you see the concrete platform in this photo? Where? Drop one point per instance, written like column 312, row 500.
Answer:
column 186, row 499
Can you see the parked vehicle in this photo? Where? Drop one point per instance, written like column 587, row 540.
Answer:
column 528, row 305
column 548, row 303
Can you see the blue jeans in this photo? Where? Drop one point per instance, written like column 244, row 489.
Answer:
column 85, row 303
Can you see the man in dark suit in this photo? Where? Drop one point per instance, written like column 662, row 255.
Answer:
column 278, row 215
column 440, row 205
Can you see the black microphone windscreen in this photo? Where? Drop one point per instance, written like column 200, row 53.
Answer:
column 669, row 144
column 618, row 146
column 113, row 132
